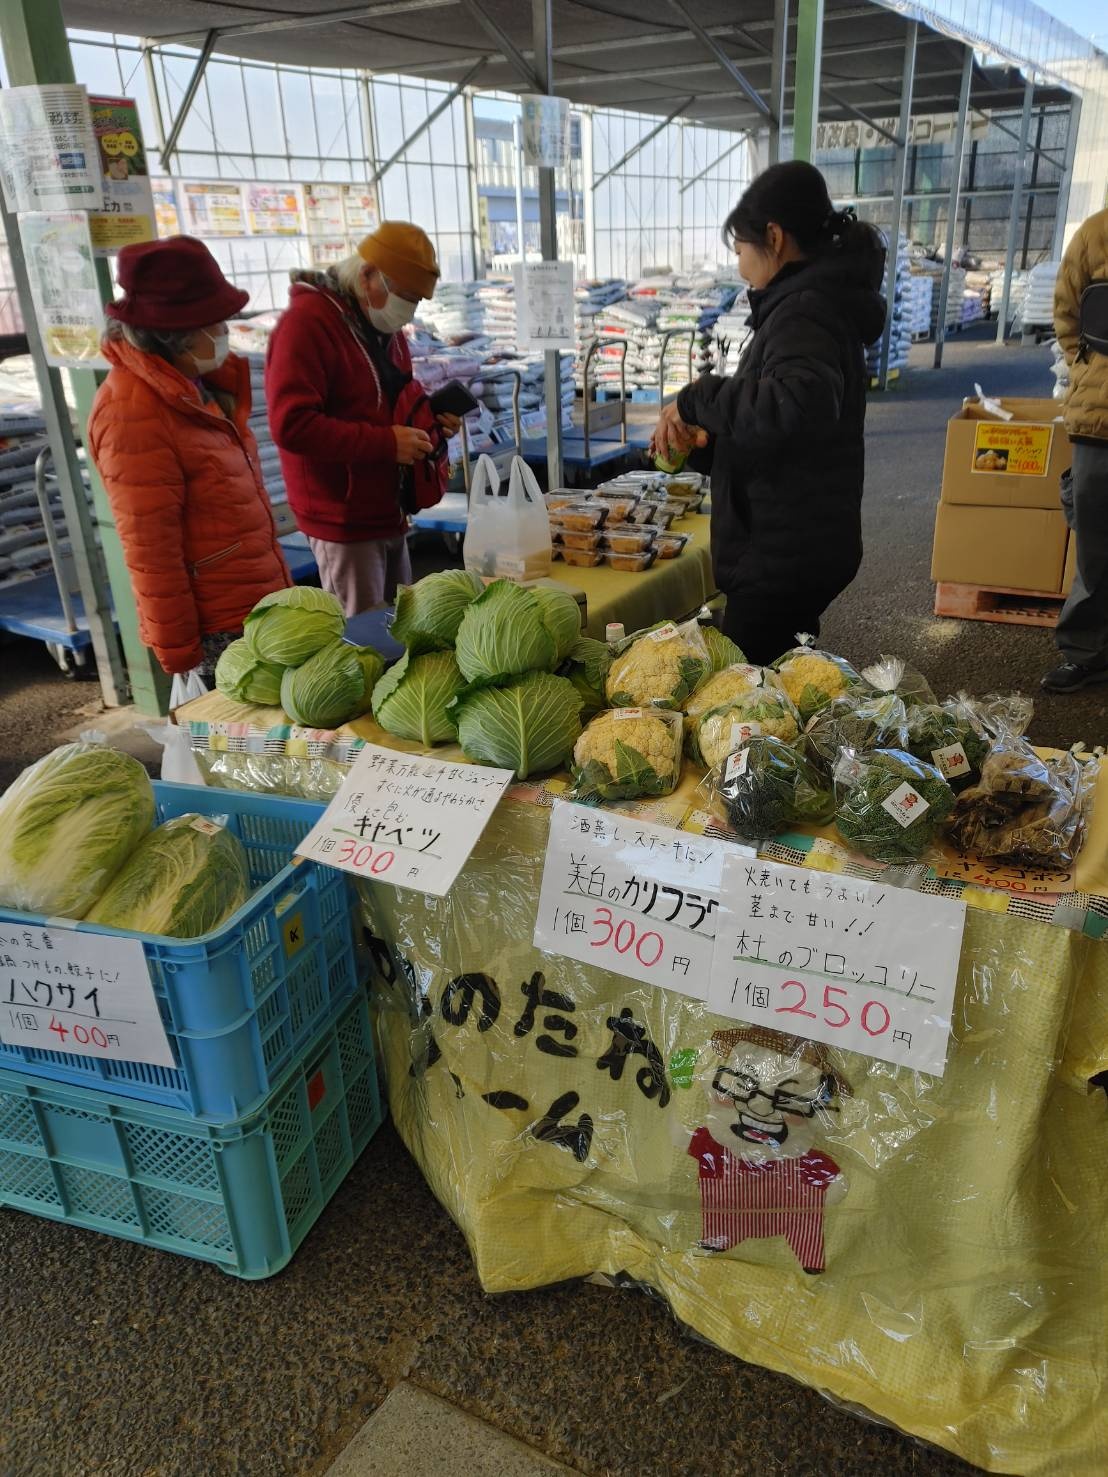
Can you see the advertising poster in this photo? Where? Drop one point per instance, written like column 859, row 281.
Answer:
column 212, row 210
column 49, row 159
column 64, row 289
column 167, row 217
column 323, row 208
column 274, row 210
column 362, row 212
column 128, row 212
column 545, row 306
column 1017, row 448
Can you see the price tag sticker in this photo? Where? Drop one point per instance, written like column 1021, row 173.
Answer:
column 638, row 899
column 618, row 713
column 62, row 989
column 905, row 805
column 663, row 633
column 742, row 733
column 855, row 964
column 406, row 820
column 951, row 762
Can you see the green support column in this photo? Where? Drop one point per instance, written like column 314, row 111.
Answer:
column 36, row 52
column 806, row 77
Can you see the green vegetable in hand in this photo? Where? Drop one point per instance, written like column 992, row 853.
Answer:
column 890, row 804
column 241, row 675
column 184, row 879
column 530, row 724
column 333, row 686
column 412, row 700
column 67, row 824
column 768, row 786
column 626, row 753
column 287, row 627
column 429, row 613
column 587, row 668
column 509, row 630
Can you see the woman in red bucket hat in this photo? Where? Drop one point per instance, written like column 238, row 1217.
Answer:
column 169, row 435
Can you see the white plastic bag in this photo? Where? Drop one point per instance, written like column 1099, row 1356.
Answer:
column 508, row 532
column 179, row 764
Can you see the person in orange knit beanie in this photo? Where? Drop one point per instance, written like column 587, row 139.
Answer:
column 361, row 449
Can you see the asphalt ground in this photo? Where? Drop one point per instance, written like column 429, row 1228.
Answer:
column 133, row 1363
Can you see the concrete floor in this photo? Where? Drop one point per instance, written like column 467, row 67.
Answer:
column 132, row 1363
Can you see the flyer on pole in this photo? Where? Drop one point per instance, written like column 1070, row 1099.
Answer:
column 49, row 157
column 127, row 216
column 66, row 295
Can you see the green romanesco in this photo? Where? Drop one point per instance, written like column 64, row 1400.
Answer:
column 763, row 711
column 659, row 670
column 859, row 721
column 625, row 753
column 890, row 805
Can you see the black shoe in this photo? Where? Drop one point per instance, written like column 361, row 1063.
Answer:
column 1069, row 676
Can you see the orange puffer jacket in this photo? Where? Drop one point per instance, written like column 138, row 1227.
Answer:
column 188, row 499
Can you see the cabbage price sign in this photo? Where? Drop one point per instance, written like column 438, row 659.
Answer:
column 406, row 820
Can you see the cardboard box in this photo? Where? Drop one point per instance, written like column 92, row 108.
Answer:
column 1000, row 548
column 1071, row 565
column 1006, row 464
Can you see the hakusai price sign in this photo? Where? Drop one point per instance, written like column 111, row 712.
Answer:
column 64, row 990
column 856, row 964
column 638, row 899
column 405, row 820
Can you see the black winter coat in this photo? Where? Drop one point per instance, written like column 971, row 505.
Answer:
column 788, row 435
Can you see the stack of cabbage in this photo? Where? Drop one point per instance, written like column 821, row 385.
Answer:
column 76, row 842
column 291, row 654
column 480, row 667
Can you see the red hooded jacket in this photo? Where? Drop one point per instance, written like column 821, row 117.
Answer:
column 332, row 422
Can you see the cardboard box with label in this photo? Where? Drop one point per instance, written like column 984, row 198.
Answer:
column 995, row 463
column 1000, row 548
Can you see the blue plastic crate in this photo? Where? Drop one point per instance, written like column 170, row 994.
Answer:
column 239, row 1003
column 242, row 1196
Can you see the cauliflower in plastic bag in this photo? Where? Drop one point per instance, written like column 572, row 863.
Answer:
column 661, row 668
column 761, row 712
column 951, row 737
column 724, row 686
column 813, row 678
column 627, row 752
column 766, row 787
column 890, row 805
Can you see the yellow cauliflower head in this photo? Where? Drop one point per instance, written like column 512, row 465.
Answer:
column 625, row 753
column 812, row 680
column 660, row 670
column 724, row 687
column 725, row 729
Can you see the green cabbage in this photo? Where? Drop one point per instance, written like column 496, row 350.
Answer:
column 509, row 630
column 289, row 626
column 185, row 878
column 239, row 674
column 429, row 613
column 67, row 824
column 410, row 701
column 561, row 616
column 529, row 725
column 587, row 668
column 333, row 686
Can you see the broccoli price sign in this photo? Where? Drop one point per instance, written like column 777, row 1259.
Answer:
column 406, row 820
column 638, row 899
column 84, row 993
column 856, row 964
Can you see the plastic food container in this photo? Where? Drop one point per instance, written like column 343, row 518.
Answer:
column 669, row 545
column 569, row 538
column 620, row 505
column 561, row 499
column 630, row 563
column 583, row 558
column 642, row 513
column 581, row 515
column 627, row 539
column 684, row 484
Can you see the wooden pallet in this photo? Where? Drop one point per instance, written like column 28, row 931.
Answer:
column 1009, row 607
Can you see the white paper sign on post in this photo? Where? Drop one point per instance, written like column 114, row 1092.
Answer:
column 49, row 156
column 638, row 899
column 545, row 309
column 545, row 130
column 88, row 993
column 855, row 964
column 406, row 820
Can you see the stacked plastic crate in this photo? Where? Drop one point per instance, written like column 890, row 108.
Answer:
column 231, row 1154
column 901, row 339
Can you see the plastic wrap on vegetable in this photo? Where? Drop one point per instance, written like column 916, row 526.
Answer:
column 626, row 753
column 857, row 720
column 890, row 805
column 950, row 736
column 724, row 686
column 721, row 649
column 763, row 712
column 767, row 786
column 660, row 668
column 813, row 678
column 183, row 880
column 1024, row 808
column 893, row 674
column 587, row 668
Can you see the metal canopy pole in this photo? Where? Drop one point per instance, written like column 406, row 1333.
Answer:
column 422, row 127
column 312, row 20
column 642, row 142
column 1062, row 204
column 778, row 69
column 508, row 50
column 900, row 179
column 687, row 184
column 155, row 96
column 588, row 188
column 955, row 195
column 809, row 42
column 543, row 29
column 476, row 242
column 1014, row 217
column 713, row 48
column 189, row 98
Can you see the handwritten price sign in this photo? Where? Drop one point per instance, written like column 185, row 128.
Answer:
column 855, row 964
column 638, row 899
column 64, row 990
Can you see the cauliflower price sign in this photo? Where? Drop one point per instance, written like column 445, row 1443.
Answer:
column 855, row 964
column 634, row 898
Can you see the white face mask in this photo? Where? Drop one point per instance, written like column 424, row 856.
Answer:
column 393, row 316
column 221, row 347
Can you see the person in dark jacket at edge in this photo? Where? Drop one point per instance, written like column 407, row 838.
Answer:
column 785, row 433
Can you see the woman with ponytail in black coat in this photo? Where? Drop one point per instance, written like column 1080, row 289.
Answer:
column 785, row 433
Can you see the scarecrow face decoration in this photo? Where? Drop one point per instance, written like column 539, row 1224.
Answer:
column 760, row 1172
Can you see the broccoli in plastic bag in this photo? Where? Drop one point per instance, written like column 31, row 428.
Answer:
column 660, row 668
column 893, row 674
column 765, row 787
column 857, row 721
column 890, row 805
column 627, row 752
column 951, row 737
column 763, row 712
column 813, row 678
